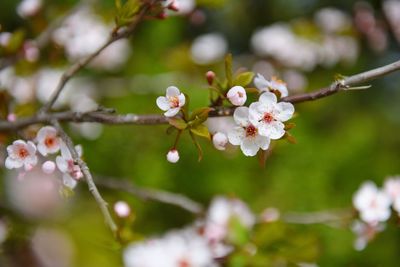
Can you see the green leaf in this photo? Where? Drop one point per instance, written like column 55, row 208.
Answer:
column 16, row 41
column 238, row 233
column 178, row 123
column 201, row 130
column 196, row 143
column 199, row 115
column 125, row 13
column 228, row 70
column 244, row 78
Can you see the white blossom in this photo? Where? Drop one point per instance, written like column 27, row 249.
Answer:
column 372, row 203
column 365, row 233
column 220, row 140
column 21, row 153
column 176, row 249
column 246, row 134
column 29, row 8
column 65, row 163
column 268, row 115
column 273, row 85
column 392, row 187
column 237, row 95
column 221, row 211
column 172, row 102
column 173, row 156
column 208, row 48
column 48, row 140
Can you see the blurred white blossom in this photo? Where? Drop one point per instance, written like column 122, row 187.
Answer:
column 29, row 8
column 208, row 48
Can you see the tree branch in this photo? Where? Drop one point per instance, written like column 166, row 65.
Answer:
column 88, row 177
column 153, row 194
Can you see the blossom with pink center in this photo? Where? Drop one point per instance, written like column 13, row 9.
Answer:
column 372, row 203
column 246, row 134
column 172, row 102
column 65, row 163
column 21, row 153
column 273, row 85
column 237, row 95
column 268, row 115
column 48, row 140
column 184, row 248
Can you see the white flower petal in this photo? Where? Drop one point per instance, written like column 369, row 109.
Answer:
column 268, row 99
column 260, row 82
column 236, row 135
column 273, row 130
column 263, row 142
column 249, row 147
column 285, row 111
column 68, row 181
column 163, row 103
column 182, row 100
column 62, row 164
column 171, row 112
column 241, row 116
column 42, row 149
column 172, row 91
column 13, row 163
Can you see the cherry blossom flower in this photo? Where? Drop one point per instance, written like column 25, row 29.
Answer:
column 48, row 141
column 273, row 85
column 65, row 163
column 21, row 153
column 246, row 134
column 173, row 156
column 365, row 233
column 184, row 248
column 220, row 140
column 268, row 115
column 172, row 102
column 392, row 187
column 373, row 204
column 222, row 210
column 237, row 95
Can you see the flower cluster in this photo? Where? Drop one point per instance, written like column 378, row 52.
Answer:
column 261, row 122
column 374, row 207
column 254, row 126
column 24, row 154
column 195, row 246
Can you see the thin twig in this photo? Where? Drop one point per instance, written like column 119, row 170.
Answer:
column 75, row 68
column 152, row 194
column 88, row 177
column 331, row 218
column 45, row 36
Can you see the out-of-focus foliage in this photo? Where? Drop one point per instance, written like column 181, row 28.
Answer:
column 341, row 140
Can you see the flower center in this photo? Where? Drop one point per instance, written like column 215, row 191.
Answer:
column 268, row 118
column 50, row 141
column 251, row 131
column 183, row 263
column 23, row 153
column 174, row 102
column 240, row 94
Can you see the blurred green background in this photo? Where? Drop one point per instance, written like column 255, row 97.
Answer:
column 342, row 140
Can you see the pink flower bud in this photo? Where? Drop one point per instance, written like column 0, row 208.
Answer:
column 11, row 117
column 237, row 95
column 122, row 209
column 48, row 167
column 173, row 156
column 220, row 140
column 210, row 76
